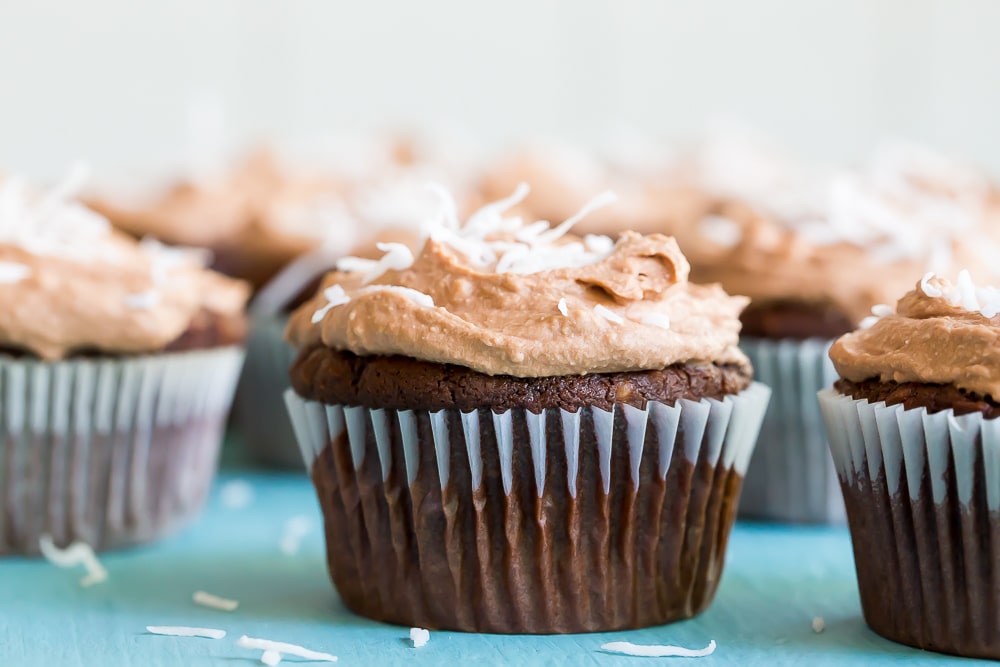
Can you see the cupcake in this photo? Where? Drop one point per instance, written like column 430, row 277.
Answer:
column 118, row 360
column 521, row 431
column 914, row 433
column 816, row 251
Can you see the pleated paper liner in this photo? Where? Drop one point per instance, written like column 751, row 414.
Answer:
column 923, row 504
column 113, row 451
column 791, row 476
column 260, row 412
column 516, row 522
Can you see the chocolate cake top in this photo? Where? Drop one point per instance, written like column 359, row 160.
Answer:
column 939, row 333
column 503, row 297
column 69, row 282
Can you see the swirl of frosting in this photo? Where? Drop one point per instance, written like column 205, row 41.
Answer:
column 939, row 334
column 69, row 282
column 506, row 298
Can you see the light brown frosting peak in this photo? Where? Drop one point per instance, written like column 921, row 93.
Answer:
column 68, row 282
column 939, row 334
column 505, row 298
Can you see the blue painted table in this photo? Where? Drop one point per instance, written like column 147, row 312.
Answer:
column 776, row 581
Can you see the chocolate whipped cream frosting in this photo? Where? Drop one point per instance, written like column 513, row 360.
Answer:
column 939, row 334
column 528, row 300
column 69, row 282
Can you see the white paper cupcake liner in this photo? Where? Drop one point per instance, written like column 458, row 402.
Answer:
column 791, row 476
column 922, row 493
column 111, row 451
column 260, row 413
column 521, row 522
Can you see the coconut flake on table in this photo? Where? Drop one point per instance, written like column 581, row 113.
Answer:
column 78, row 553
column 12, row 273
column 214, row 601
column 185, row 631
column 964, row 294
column 295, row 529
column 281, row 648
column 658, row 651
column 419, row 637
column 236, row 494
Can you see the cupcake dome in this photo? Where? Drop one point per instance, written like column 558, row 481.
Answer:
column 117, row 365
column 914, row 435
column 518, row 430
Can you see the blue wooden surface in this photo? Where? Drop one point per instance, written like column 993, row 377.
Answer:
column 777, row 580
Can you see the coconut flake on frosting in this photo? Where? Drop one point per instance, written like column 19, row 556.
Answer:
column 13, row 272
column 964, row 294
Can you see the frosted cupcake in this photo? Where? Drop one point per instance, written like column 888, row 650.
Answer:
column 521, row 431
column 816, row 252
column 118, row 360
column 914, row 433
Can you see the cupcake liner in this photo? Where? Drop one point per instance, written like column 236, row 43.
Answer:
column 109, row 451
column 260, row 413
column 922, row 493
column 517, row 522
column 791, row 476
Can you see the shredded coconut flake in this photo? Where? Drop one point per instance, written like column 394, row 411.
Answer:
column 13, row 272
column 658, row 651
column 282, row 648
column 413, row 295
column 214, row 601
column 609, row 315
column 142, row 300
column 721, row 231
column 78, row 553
column 882, row 310
column 183, row 631
column 419, row 637
column 562, row 307
column 818, row 624
column 335, row 296
column 236, row 494
column 295, row 529
column 270, row 658
column 656, row 320
column 964, row 294
column 51, row 223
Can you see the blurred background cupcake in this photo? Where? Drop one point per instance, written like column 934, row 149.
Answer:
column 118, row 361
column 913, row 429
column 818, row 250
column 512, row 385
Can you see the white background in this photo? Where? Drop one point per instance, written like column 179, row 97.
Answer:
column 114, row 81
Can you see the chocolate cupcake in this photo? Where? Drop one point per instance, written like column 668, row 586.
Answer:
column 914, row 433
column 519, row 431
column 118, row 360
column 816, row 251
